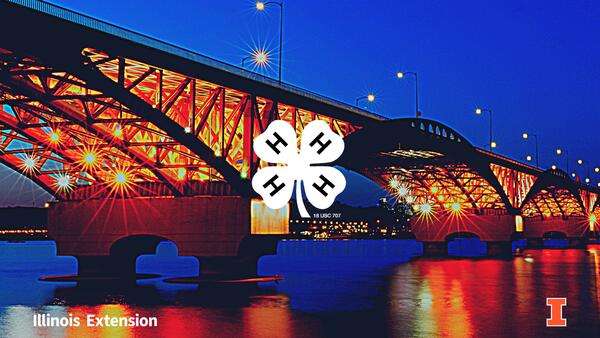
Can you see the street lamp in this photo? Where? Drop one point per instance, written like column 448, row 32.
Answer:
column 537, row 159
column 401, row 75
column 260, row 57
column 261, row 6
column 480, row 111
column 369, row 97
column 559, row 152
column 580, row 162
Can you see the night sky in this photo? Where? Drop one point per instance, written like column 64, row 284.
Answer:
column 534, row 63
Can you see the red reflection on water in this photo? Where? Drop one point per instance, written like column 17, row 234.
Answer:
column 478, row 297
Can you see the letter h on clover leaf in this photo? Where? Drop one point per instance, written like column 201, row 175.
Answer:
column 319, row 145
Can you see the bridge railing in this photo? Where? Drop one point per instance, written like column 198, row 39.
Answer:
column 148, row 41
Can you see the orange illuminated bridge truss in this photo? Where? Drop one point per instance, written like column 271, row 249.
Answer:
column 79, row 143
column 452, row 188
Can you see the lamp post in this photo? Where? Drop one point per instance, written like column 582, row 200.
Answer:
column 244, row 60
column 260, row 6
column 480, row 111
column 560, row 152
column 537, row 158
column 369, row 97
column 401, row 75
column 587, row 164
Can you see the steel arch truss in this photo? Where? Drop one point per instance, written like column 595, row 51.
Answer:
column 516, row 184
column 452, row 188
column 554, row 201
column 78, row 142
column 225, row 119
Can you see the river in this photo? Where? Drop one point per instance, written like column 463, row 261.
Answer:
column 331, row 289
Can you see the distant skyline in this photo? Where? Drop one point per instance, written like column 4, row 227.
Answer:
column 534, row 63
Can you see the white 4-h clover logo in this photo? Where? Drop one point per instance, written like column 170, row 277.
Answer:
column 321, row 183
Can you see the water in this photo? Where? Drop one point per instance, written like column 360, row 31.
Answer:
column 331, row 288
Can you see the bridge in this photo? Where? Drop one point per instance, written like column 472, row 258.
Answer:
column 141, row 141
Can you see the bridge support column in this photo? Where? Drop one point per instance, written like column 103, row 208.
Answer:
column 499, row 248
column 535, row 243
column 435, row 249
column 578, row 242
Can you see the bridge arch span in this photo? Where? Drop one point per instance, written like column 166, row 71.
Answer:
column 554, row 194
column 436, row 162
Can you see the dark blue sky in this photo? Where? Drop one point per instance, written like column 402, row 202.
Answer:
column 534, row 63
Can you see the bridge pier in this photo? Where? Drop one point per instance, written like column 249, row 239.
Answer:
column 578, row 242
column 499, row 248
column 574, row 243
column 535, row 243
column 227, row 233
column 435, row 249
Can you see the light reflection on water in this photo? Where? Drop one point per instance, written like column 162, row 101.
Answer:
column 352, row 288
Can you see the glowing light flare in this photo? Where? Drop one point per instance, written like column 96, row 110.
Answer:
column 54, row 137
column 425, row 212
column 118, row 132
column 525, row 136
column 529, row 158
column 260, row 5
column 63, row 183
column 121, row 181
column 592, row 222
column 261, row 57
column 181, row 174
column 493, row 144
column 394, row 183
column 89, row 158
column 29, row 165
column 403, row 191
column 553, row 167
column 370, row 97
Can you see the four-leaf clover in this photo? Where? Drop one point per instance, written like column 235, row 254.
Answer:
column 319, row 145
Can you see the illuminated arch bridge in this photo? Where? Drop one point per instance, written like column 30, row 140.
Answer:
column 89, row 110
